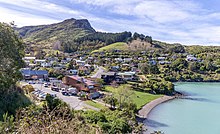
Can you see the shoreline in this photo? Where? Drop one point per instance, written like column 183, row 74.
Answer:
column 146, row 109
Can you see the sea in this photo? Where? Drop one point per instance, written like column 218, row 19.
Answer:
column 197, row 113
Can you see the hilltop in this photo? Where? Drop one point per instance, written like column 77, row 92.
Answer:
column 54, row 36
column 68, row 36
column 78, row 35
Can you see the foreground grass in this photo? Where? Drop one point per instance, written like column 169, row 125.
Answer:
column 118, row 46
column 139, row 98
column 95, row 104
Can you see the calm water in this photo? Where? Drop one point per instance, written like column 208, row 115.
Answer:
column 199, row 114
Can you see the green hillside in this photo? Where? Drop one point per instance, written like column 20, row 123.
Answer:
column 68, row 36
column 55, row 35
column 114, row 46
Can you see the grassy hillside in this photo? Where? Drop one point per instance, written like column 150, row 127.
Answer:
column 114, row 46
column 134, row 45
column 54, row 35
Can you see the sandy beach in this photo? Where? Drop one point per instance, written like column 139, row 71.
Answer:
column 145, row 110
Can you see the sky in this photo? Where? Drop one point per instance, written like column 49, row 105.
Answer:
column 189, row 22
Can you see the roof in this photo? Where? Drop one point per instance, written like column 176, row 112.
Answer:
column 109, row 73
column 29, row 58
column 38, row 60
column 34, row 72
column 87, row 65
column 127, row 73
column 80, row 79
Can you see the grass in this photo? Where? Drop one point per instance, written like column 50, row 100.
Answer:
column 139, row 98
column 118, row 46
column 95, row 104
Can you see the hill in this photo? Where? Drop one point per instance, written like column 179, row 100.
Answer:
column 67, row 36
column 55, row 35
column 142, row 45
column 114, row 46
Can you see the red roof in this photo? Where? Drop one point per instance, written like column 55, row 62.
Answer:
column 80, row 79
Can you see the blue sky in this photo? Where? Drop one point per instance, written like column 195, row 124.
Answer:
column 182, row 21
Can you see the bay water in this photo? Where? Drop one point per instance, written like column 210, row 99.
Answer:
column 198, row 113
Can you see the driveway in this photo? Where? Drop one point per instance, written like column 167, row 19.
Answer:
column 99, row 72
column 73, row 101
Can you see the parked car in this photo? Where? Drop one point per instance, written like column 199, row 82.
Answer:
column 94, row 95
column 72, row 91
column 55, row 89
column 46, row 85
column 42, row 95
column 62, row 89
column 31, row 82
column 65, row 93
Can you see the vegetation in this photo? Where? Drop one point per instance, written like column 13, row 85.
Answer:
column 137, row 97
column 12, row 51
column 95, row 104
column 56, row 117
column 114, row 46
column 158, row 64
column 67, row 36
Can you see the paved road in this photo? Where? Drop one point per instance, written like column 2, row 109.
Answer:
column 98, row 73
column 73, row 101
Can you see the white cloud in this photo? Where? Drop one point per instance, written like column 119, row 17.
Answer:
column 185, row 21
column 23, row 19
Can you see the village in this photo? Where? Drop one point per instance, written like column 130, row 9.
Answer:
column 85, row 75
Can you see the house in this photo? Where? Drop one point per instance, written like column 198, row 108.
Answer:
column 39, row 62
column 115, row 68
column 191, row 58
column 161, row 58
column 164, row 62
column 81, row 84
column 29, row 60
column 152, row 62
column 68, row 59
column 73, row 72
column 125, row 65
column 140, row 58
column 119, row 59
column 64, row 61
column 108, row 77
column 80, row 62
column 90, row 58
column 45, row 64
column 86, row 69
column 128, row 76
column 34, row 74
column 134, row 69
column 127, row 59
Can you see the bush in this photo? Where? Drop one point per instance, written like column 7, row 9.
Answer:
column 28, row 88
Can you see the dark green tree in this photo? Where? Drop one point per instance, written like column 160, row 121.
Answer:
column 11, row 53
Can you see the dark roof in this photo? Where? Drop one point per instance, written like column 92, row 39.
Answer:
column 34, row 72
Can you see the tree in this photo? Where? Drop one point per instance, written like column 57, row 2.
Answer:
column 123, row 95
column 11, row 53
column 28, row 88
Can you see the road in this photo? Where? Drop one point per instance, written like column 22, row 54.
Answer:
column 99, row 72
column 73, row 101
